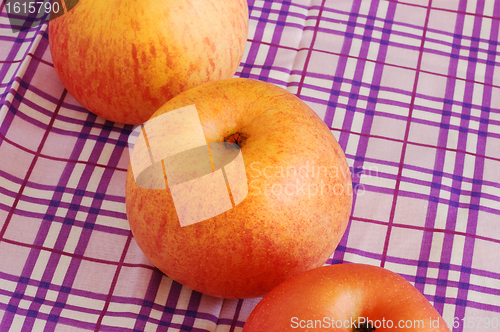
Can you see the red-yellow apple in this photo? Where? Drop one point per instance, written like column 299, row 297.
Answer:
column 122, row 60
column 345, row 297
column 295, row 212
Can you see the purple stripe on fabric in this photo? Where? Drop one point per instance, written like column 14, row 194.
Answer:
column 278, row 31
column 461, row 47
column 332, row 104
column 93, row 210
column 113, row 283
column 282, row 22
column 353, row 109
column 427, row 229
column 36, row 107
column 14, row 55
column 481, row 306
column 8, row 317
column 463, row 11
column 148, row 301
column 171, row 303
column 49, row 286
column 406, row 262
column 69, row 160
column 86, row 232
column 14, row 58
column 29, row 313
column 83, row 224
column 235, row 322
column 367, row 187
column 461, row 57
column 441, row 148
column 66, row 306
column 371, row 27
column 114, row 128
column 36, row 155
column 355, row 89
column 66, row 132
column 180, row 327
column 295, row 72
column 259, row 33
column 373, row 95
column 27, row 323
column 282, row 15
column 63, row 253
column 253, row 9
column 7, row 121
column 479, row 167
column 191, row 313
column 169, row 309
column 455, row 114
column 309, row 52
column 228, row 321
column 439, row 166
column 338, row 254
column 384, row 42
column 455, row 197
column 374, row 85
column 322, row 75
column 404, row 146
column 362, row 253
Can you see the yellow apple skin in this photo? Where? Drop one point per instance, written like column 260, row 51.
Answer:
column 270, row 236
column 123, row 59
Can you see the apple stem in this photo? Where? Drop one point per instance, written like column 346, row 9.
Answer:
column 364, row 327
column 236, row 138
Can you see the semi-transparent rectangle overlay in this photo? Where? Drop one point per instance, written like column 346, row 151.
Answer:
column 27, row 14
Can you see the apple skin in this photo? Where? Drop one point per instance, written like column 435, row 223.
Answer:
column 344, row 292
column 122, row 60
column 269, row 236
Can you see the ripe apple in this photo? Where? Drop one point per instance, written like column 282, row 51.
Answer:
column 345, row 297
column 295, row 212
column 122, row 60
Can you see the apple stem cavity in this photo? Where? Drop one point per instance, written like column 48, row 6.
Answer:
column 363, row 327
column 236, row 138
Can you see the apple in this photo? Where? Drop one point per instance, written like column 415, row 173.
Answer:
column 122, row 60
column 345, row 297
column 293, row 216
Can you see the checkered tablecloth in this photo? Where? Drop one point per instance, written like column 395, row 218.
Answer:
column 410, row 89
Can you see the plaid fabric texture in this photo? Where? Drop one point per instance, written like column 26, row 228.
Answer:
column 411, row 90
